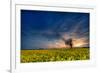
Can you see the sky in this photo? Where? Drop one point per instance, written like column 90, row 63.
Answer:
column 47, row 29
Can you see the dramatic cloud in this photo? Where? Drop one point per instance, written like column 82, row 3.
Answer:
column 46, row 29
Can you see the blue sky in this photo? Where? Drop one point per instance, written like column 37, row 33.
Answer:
column 46, row 29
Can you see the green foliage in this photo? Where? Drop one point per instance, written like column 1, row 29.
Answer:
column 48, row 55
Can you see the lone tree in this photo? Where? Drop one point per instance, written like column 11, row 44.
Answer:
column 69, row 42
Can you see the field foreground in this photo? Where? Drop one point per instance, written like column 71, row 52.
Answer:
column 47, row 55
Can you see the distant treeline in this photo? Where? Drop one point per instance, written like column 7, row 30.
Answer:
column 53, row 48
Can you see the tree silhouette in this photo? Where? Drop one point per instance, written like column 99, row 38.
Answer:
column 69, row 42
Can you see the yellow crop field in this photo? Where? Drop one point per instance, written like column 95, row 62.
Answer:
column 52, row 55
